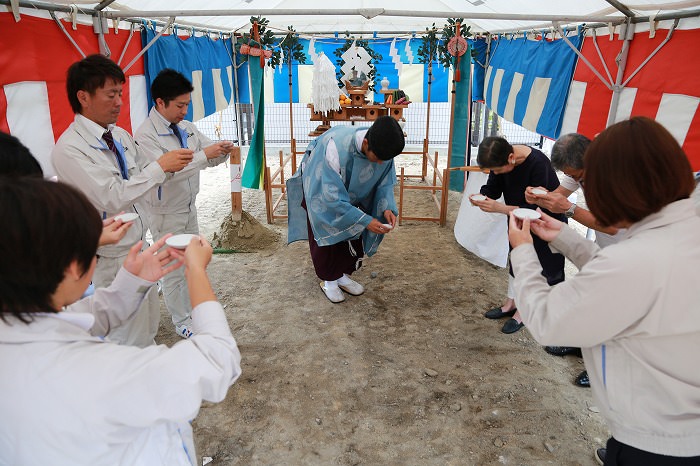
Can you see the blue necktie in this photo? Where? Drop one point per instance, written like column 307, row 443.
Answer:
column 177, row 133
column 109, row 139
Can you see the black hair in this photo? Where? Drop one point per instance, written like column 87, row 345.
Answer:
column 568, row 151
column 385, row 138
column 47, row 226
column 15, row 158
column 493, row 152
column 170, row 84
column 90, row 74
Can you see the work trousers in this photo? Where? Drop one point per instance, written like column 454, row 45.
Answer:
column 174, row 284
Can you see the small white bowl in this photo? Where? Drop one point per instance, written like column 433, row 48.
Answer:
column 539, row 192
column 526, row 213
column 477, row 197
column 180, row 241
column 127, row 217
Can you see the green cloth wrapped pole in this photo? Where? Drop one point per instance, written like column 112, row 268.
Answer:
column 254, row 170
column 460, row 121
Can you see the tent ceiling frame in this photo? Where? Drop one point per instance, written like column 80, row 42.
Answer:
column 363, row 13
column 134, row 16
column 635, row 20
column 621, row 8
column 315, row 12
column 104, row 4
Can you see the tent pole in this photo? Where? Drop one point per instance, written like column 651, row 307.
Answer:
column 99, row 26
column 651, row 55
column 600, row 55
column 14, row 7
column 103, row 4
column 621, row 64
column 291, row 111
column 619, row 85
column 234, row 92
column 126, row 46
column 148, row 46
column 424, row 171
column 72, row 41
column 580, row 55
column 621, row 8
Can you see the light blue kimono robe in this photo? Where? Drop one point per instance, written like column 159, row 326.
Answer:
column 340, row 206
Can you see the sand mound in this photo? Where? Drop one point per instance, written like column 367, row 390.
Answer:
column 246, row 235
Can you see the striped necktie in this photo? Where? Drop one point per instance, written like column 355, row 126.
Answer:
column 109, row 139
column 177, row 133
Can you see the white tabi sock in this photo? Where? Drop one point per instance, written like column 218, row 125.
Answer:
column 331, row 284
column 344, row 280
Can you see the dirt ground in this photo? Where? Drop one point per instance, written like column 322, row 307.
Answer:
column 408, row 373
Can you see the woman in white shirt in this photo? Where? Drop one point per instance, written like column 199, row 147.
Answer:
column 69, row 396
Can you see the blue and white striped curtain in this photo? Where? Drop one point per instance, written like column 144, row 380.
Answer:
column 527, row 81
column 204, row 61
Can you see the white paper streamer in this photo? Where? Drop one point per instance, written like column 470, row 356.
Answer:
column 312, row 51
column 324, row 86
column 409, row 52
column 395, row 57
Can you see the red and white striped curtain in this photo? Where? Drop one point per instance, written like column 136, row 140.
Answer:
column 34, row 58
column 667, row 88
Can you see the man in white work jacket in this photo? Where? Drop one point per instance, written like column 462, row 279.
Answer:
column 171, row 206
column 103, row 161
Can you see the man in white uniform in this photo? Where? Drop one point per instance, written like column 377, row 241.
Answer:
column 104, row 162
column 171, row 206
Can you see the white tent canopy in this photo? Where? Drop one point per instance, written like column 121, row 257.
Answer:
column 388, row 16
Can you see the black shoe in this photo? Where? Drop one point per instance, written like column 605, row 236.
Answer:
column 497, row 313
column 582, row 380
column 600, row 456
column 563, row 350
column 512, row 326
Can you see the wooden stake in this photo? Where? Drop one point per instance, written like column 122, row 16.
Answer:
column 267, row 185
column 401, row 187
column 236, row 194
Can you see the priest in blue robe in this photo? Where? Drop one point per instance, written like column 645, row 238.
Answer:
column 342, row 200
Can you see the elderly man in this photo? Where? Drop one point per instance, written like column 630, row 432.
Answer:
column 567, row 157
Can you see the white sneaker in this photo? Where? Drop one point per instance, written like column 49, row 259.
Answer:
column 183, row 331
column 333, row 293
column 350, row 286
